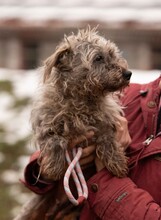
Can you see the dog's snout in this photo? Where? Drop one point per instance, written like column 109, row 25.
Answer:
column 127, row 74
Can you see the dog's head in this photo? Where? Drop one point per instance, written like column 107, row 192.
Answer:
column 88, row 61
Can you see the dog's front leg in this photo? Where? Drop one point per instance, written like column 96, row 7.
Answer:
column 111, row 154
column 52, row 158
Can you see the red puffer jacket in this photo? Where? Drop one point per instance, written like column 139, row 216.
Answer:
column 137, row 196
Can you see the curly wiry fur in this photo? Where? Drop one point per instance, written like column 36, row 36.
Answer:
column 77, row 96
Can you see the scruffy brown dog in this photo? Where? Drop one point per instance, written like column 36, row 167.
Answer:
column 77, row 95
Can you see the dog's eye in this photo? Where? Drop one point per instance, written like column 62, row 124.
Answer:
column 98, row 58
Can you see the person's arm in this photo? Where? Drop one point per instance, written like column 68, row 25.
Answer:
column 116, row 198
column 119, row 198
column 38, row 182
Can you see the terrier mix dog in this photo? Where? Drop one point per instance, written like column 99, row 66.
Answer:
column 77, row 95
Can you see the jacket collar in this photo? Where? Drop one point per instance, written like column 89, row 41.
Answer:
column 149, row 101
column 149, row 105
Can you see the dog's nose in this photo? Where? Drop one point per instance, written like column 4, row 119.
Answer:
column 127, row 74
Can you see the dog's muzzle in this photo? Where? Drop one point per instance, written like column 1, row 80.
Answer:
column 127, row 74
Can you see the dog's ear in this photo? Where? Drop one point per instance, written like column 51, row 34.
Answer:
column 60, row 60
column 48, row 67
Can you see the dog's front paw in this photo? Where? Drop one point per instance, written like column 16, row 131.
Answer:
column 118, row 165
column 52, row 158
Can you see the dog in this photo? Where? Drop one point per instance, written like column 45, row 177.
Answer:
column 77, row 94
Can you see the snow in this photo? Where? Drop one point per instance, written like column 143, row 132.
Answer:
column 80, row 13
column 111, row 10
column 10, row 176
column 144, row 76
column 77, row 3
column 17, row 126
column 17, row 123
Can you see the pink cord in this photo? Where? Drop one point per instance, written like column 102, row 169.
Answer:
column 77, row 176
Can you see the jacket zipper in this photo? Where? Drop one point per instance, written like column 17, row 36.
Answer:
column 148, row 140
column 151, row 137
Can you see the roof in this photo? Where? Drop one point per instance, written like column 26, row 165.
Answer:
column 68, row 11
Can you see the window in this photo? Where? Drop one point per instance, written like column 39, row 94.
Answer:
column 30, row 55
column 156, row 57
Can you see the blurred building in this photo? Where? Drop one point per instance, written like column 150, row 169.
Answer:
column 29, row 30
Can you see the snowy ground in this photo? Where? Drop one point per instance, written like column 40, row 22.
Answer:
column 16, row 123
column 15, row 126
column 69, row 10
column 16, row 91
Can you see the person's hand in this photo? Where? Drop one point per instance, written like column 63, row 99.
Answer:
column 122, row 136
column 89, row 152
column 122, row 132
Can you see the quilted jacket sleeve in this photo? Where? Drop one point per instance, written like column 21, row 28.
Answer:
column 31, row 180
column 120, row 199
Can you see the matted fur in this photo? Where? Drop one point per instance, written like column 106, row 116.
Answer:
column 77, row 96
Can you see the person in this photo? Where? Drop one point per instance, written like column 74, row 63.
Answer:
column 138, row 195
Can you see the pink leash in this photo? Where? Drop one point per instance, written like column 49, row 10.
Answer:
column 77, row 176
